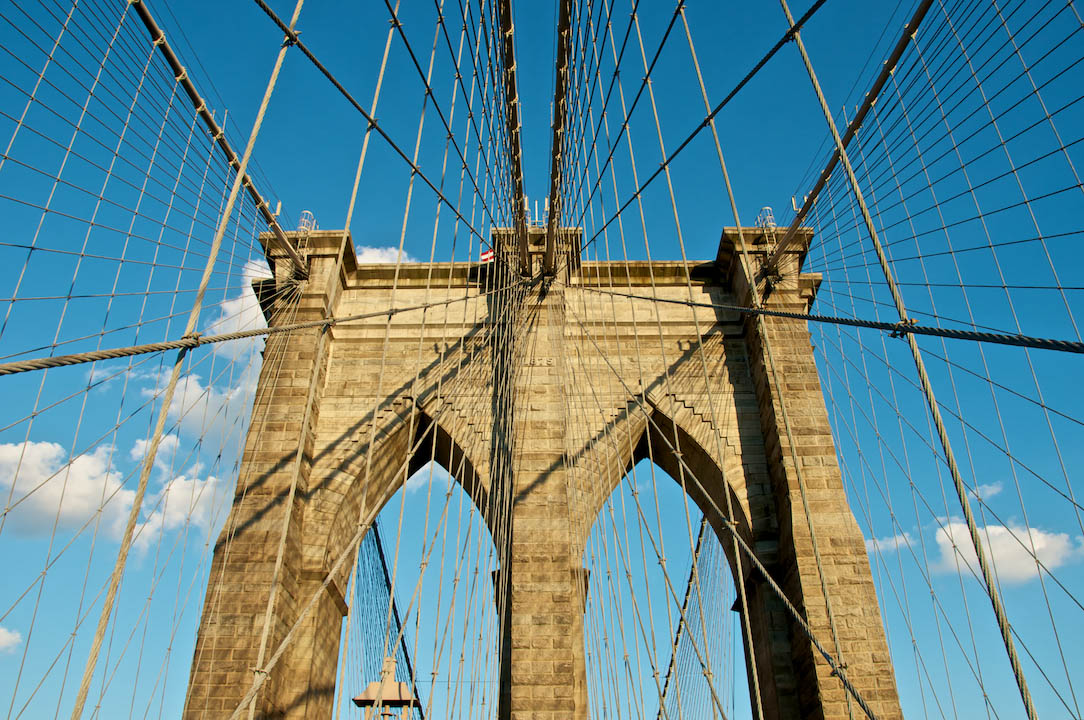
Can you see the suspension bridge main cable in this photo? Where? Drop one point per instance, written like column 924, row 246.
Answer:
column 990, row 585
column 217, row 133
column 167, row 397
column 870, row 98
column 899, row 329
column 195, row 340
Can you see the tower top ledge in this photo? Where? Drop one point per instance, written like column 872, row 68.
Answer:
column 759, row 243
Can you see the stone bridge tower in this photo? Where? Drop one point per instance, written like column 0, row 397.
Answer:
column 339, row 413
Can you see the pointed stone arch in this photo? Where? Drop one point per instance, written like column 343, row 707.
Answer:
column 404, row 444
column 359, row 485
column 662, row 437
column 351, row 474
column 732, row 451
column 647, row 430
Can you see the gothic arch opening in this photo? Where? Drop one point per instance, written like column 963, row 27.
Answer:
column 422, row 594
column 391, row 455
column 697, row 470
column 651, row 434
column 677, row 634
column 401, row 468
column 660, row 641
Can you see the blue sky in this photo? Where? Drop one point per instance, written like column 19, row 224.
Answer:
column 1018, row 441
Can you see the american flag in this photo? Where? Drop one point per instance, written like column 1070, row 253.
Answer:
column 486, row 256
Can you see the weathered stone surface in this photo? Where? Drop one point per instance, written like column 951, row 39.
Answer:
column 576, row 386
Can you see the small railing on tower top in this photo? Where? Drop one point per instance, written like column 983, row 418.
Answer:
column 307, row 222
column 766, row 218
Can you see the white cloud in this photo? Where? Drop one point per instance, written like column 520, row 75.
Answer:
column 380, row 255
column 889, row 544
column 9, row 640
column 210, row 412
column 101, row 375
column 70, row 492
column 184, row 500
column 1011, row 555
column 213, row 411
column 167, row 448
column 420, row 480
column 241, row 312
column 985, row 492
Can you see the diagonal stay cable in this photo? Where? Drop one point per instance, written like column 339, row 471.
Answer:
column 217, row 133
column 395, row 611
column 632, row 106
column 293, row 39
column 398, row 26
column 706, row 122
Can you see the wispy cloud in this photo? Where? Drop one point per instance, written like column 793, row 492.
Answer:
column 217, row 413
column 49, row 487
column 985, row 492
column 167, row 448
column 102, row 374
column 430, row 472
column 1009, row 547
column 183, row 501
column 9, row 640
column 889, row 544
column 240, row 312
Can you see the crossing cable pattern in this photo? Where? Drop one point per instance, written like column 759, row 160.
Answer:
column 961, row 192
column 270, row 357
column 185, row 157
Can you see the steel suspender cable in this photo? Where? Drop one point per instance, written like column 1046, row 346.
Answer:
column 216, row 132
column 868, row 100
column 930, row 164
column 731, row 528
column 293, row 39
column 683, row 626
